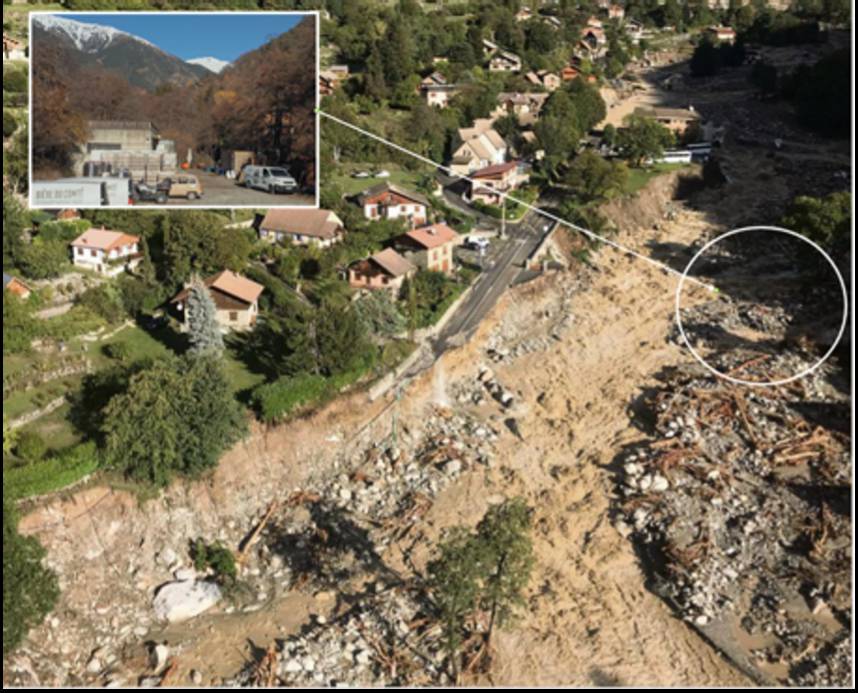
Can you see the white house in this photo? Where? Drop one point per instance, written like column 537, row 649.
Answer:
column 106, row 252
column 481, row 146
column 437, row 91
column 388, row 201
column 504, row 61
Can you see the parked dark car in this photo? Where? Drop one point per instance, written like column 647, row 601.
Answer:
column 143, row 192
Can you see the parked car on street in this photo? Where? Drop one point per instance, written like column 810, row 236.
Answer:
column 382, row 174
column 477, row 243
column 361, row 174
column 272, row 179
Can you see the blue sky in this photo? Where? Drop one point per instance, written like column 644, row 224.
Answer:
column 224, row 36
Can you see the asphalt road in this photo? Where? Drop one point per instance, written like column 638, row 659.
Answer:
column 221, row 191
column 504, row 266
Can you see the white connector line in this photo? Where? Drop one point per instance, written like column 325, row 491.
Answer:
column 526, row 205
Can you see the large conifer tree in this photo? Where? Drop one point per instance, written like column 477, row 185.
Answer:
column 201, row 314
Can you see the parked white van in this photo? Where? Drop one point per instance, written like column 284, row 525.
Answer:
column 273, row 179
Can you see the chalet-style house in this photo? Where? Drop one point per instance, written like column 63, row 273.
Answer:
column 316, row 227
column 543, row 78
column 16, row 286
column 524, row 105
column 481, row 146
column 235, row 297
column 331, row 78
column 386, row 269
column 388, row 201
column 593, row 37
column 490, row 47
column 106, row 252
column 488, row 185
column 677, row 120
column 437, row 91
column 13, row 49
column 721, row 34
column 429, row 247
column 504, row 61
column 569, row 73
column 523, row 14
column 617, row 12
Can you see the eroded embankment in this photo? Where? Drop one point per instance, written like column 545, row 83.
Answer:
column 574, row 352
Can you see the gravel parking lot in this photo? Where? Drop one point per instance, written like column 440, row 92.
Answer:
column 222, row 191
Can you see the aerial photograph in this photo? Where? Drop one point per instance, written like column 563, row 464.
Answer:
column 173, row 109
column 428, row 344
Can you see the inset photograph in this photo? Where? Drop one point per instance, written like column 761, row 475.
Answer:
column 173, row 109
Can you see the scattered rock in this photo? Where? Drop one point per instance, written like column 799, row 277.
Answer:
column 179, row 601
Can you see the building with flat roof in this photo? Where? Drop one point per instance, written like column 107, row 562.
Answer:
column 118, row 146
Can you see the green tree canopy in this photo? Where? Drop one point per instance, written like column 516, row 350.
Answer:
column 824, row 220
column 484, row 571
column 174, row 417
column 592, row 178
column 643, row 138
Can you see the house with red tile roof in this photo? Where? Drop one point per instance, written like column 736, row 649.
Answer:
column 236, row 299
column 429, row 247
column 386, row 269
column 389, row 201
column 488, row 185
column 106, row 252
column 17, row 286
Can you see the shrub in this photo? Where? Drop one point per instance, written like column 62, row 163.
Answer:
column 65, row 231
column 103, row 300
column 31, row 447
column 10, row 123
column 139, row 296
column 52, row 474
column 43, row 259
column 14, row 80
column 276, row 400
column 29, row 589
column 118, row 351
column 216, row 557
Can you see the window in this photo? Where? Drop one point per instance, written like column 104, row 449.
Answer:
column 93, row 253
column 233, row 316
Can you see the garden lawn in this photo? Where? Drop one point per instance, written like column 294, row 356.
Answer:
column 639, row 177
column 352, row 186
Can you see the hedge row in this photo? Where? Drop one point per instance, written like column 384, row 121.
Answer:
column 276, row 400
column 53, row 473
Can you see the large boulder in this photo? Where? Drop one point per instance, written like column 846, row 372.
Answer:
column 184, row 599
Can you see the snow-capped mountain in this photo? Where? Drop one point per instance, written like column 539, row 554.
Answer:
column 215, row 65
column 89, row 38
column 96, row 46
